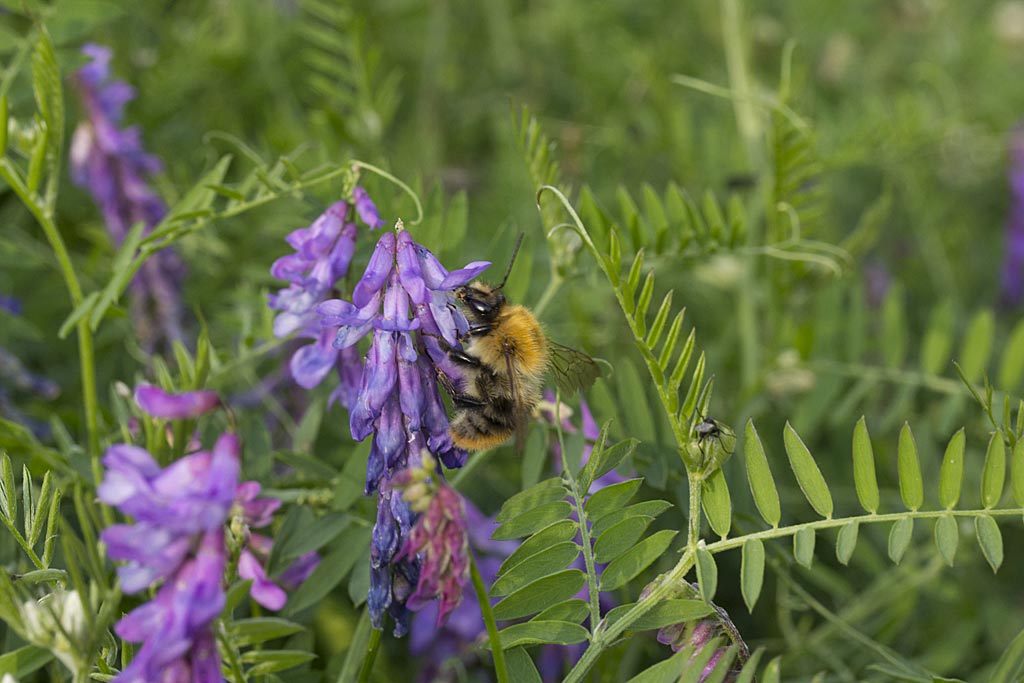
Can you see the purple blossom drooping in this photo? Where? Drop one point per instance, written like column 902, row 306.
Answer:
column 158, row 403
column 1013, row 259
column 440, row 537
column 323, row 253
column 404, row 290
column 178, row 544
column 111, row 164
column 178, row 538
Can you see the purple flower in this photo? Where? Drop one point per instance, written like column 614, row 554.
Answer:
column 403, row 300
column 323, row 253
column 177, row 539
column 439, row 538
column 111, row 164
column 159, row 403
column 403, row 290
column 1013, row 259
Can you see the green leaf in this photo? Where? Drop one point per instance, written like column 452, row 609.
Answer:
column 24, row 660
column 808, row 476
column 633, row 280
column 245, row 632
column 351, row 547
column 620, row 538
column 532, row 521
column 899, row 538
column 636, row 559
column 8, row 490
column 648, row 508
column 270, row 661
column 716, row 502
column 660, row 318
column 667, row 671
column 938, row 340
column 547, row 491
column 562, row 530
column 752, row 571
column 993, row 477
column 947, row 536
column 1017, row 472
column 1012, row 367
column 644, row 300
column 846, row 542
column 540, row 594
column 909, row 466
column 707, row 574
column 990, row 539
column 894, row 328
column 359, row 583
column 803, row 546
column 309, row 533
column 604, row 460
column 1010, row 667
column 83, row 309
column 611, row 498
column 520, row 666
column 665, row 613
column 951, row 475
column 977, row 345
column 864, row 467
column 570, row 610
column 544, row 563
column 759, row 475
column 542, row 632
column 772, row 672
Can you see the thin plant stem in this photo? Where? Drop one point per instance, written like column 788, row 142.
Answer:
column 370, row 656
column 86, row 354
column 500, row 668
column 693, row 523
column 554, row 284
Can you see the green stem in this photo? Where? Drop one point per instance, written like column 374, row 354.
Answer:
column 667, row 586
column 554, row 284
column 370, row 656
column 86, row 356
column 693, row 523
column 500, row 668
column 588, row 552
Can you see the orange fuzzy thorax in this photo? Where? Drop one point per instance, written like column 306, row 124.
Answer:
column 519, row 334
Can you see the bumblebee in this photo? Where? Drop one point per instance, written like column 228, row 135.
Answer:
column 504, row 360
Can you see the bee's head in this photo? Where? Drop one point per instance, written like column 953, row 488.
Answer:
column 481, row 301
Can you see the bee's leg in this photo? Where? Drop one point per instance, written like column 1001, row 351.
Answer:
column 477, row 331
column 457, row 355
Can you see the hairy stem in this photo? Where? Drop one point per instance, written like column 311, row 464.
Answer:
column 500, row 668
column 693, row 523
column 588, row 552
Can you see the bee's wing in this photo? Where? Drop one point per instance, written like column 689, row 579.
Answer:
column 573, row 370
column 521, row 416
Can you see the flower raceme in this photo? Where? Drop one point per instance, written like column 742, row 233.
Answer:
column 323, row 253
column 111, row 164
column 440, row 537
column 404, row 290
column 178, row 541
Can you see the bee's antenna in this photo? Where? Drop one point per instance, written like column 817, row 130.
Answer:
column 515, row 250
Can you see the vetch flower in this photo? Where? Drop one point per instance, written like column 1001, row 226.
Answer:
column 404, row 289
column 159, row 403
column 403, row 300
column 177, row 539
column 111, row 164
column 323, row 253
column 439, row 537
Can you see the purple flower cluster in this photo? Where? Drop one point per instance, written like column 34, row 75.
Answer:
column 404, row 289
column 1013, row 259
column 323, row 252
column 178, row 540
column 439, row 537
column 111, row 164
